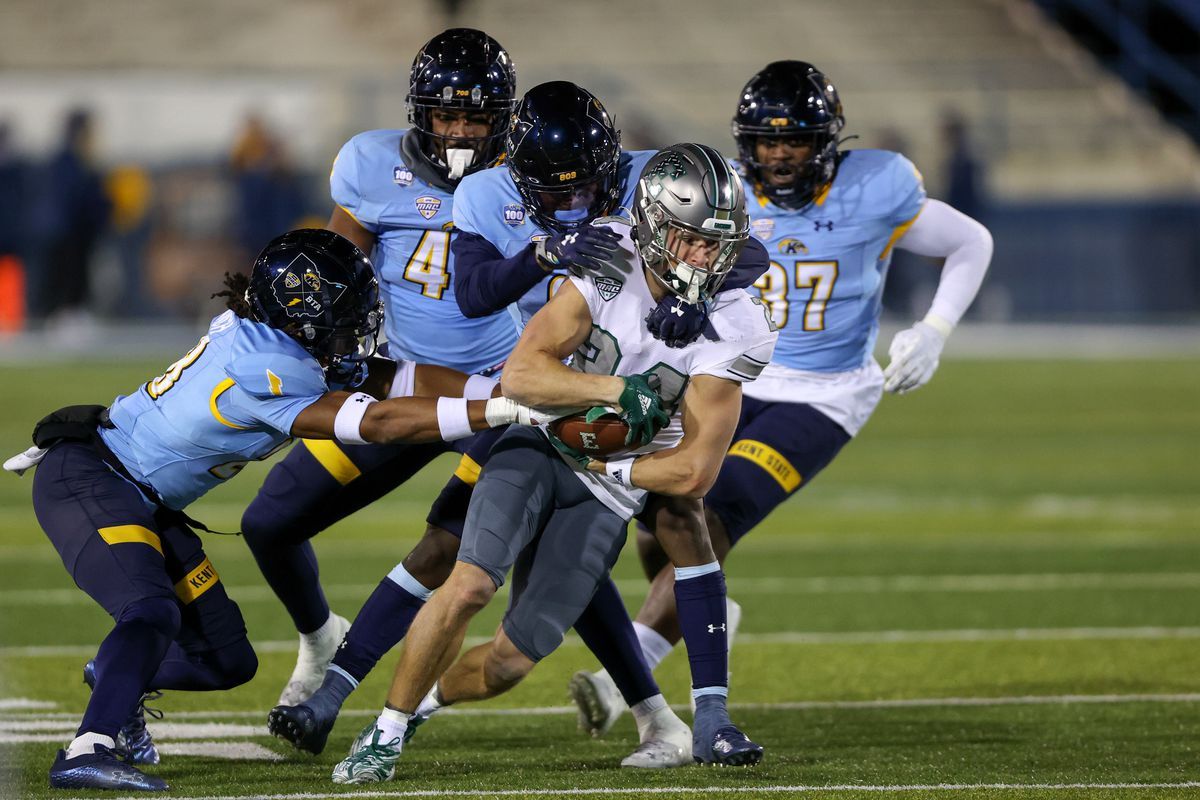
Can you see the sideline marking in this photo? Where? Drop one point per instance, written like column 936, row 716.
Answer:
column 691, row 790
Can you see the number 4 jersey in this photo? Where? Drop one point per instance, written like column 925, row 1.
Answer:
column 231, row 399
column 413, row 224
column 736, row 345
column 825, row 283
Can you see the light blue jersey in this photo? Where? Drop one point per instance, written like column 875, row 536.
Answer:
column 231, row 399
column 829, row 261
column 413, row 224
column 488, row 204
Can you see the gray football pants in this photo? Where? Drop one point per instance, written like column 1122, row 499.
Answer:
column 529, row 512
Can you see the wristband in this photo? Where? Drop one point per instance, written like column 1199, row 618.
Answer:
column 349, row 418
column 404, row 382
column 621, row 470
column 479, row 387
column 453, row 421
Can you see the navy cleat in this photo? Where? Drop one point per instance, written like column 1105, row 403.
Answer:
column 732, row 748
column 716, row 740
column 301, row 726
column 101, row 770
column 134, row 737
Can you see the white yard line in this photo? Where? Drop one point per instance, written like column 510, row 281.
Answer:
column 693, row 790
column 62, row 721
column 778, row 637
column 859, row 584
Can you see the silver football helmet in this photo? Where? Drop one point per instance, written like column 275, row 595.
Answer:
column 690, row 220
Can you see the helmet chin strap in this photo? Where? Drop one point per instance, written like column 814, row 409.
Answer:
column 457, row 160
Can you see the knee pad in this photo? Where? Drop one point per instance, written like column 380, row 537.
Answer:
column 160, row 613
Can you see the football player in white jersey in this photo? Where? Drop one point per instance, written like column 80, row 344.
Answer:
column 830, row 219
column 560, row 517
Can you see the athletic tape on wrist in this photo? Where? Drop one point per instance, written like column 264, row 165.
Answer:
column 479, row 387
column 349, row 418
column 621, row 470
column 453, row 421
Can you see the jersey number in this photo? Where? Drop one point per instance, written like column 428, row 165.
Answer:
column 160, row 385
column 429, row 264
column 816, row 276
column 603, row 352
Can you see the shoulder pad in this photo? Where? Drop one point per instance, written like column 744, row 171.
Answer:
column 265, row 362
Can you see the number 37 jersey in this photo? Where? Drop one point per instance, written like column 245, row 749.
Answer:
column 413, row 225
column 829, row 261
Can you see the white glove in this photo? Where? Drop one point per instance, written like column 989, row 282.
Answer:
column 27, row 460
column 914, row 357
column 503, row 411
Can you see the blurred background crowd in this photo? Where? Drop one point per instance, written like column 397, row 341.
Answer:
column 146, row 148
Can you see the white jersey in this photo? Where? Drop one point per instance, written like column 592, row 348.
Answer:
column 736, row 345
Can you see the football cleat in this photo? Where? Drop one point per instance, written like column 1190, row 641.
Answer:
column 667, row 742
column 599, row 702
column 101, row 770
column 134, row 737
column 311, row 662
column 300, row 726
column 732, row 748
column 374, row 762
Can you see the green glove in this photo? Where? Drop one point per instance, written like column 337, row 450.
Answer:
column 641, row 408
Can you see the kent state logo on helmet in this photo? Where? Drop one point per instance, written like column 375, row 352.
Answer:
column 298, row 288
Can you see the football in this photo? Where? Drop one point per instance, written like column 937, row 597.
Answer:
column 603, row 436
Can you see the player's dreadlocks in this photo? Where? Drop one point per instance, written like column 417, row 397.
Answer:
column 236, row 284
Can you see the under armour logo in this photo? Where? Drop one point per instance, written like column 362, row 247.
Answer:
column 715, row 628
column 570, row 238
column 826, row 223
column 362, row 398
column 677, row 309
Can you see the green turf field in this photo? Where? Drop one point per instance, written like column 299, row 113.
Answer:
column 994, row 592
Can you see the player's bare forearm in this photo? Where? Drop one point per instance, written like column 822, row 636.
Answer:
column 340, row 222
column 412, row 419
column 710, row 410
column 535, row 375
column 435, row 381
column 402, row 419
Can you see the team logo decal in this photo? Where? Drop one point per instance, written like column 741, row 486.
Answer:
column 428, row 205
column 539, row 237
column 608, row 287
column 792, row 247
column 298, row 289
column 514, row 214
column 763, row 229
column 402, row 176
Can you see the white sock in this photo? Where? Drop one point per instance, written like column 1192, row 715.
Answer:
column 644, row 712
column 85, row 744
column 320, row 634
column 431, row 703
column 654, row 647
column 392, row 724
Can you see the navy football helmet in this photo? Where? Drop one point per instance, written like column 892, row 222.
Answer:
column 462, row 69
column 790, row 100
column 320, row 289
column 563, row 151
